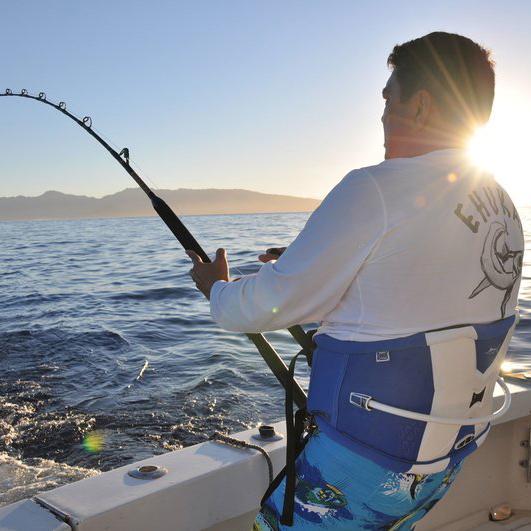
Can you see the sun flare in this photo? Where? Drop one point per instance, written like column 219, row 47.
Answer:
column 502, row 150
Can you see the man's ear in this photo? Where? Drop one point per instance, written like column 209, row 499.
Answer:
column 423, row 108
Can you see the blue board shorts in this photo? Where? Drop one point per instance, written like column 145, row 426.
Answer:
column 342, row 490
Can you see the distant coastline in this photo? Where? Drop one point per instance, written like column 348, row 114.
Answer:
column 132, row 202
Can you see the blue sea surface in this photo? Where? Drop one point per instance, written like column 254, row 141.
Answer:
column 102, row 331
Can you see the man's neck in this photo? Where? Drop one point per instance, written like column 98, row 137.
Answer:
column 438, row 146
column 427, row 144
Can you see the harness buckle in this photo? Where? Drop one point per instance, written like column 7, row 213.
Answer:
column 360, row 400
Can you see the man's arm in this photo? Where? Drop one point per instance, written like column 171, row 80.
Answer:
column 312, row 275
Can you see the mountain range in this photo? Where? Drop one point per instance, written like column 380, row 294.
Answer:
column 132, row 202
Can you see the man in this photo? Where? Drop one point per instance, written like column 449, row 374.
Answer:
column 412, row 267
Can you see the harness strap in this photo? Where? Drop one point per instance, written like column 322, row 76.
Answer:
column 291, row 449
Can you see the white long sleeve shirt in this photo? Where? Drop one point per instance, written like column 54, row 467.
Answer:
column 409, row 245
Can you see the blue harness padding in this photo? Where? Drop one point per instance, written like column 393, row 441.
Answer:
column 449, row 372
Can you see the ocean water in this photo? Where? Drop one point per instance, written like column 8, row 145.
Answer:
column 108, row 354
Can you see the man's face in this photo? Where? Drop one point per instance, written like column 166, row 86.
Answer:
column 398, row 121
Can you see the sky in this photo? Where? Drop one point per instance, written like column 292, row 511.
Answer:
column 278, row 97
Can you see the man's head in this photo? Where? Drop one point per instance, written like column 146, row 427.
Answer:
column 440, row 90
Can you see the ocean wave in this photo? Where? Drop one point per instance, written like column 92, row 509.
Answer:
column 24, row 478
column 30, row 427
column 152, row 294
column 13, row 341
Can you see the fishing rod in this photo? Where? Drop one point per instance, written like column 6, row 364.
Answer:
column 187, row 240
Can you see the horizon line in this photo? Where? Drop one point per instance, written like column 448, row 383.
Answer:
column 158, row 189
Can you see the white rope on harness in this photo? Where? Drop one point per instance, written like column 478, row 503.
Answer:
column 368, row 403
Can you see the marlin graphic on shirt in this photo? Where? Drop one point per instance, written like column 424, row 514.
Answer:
column 501, row 265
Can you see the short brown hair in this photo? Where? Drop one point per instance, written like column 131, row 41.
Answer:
column 458, row 72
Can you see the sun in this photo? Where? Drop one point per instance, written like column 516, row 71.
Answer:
column 501, row 147
column 484, row 149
